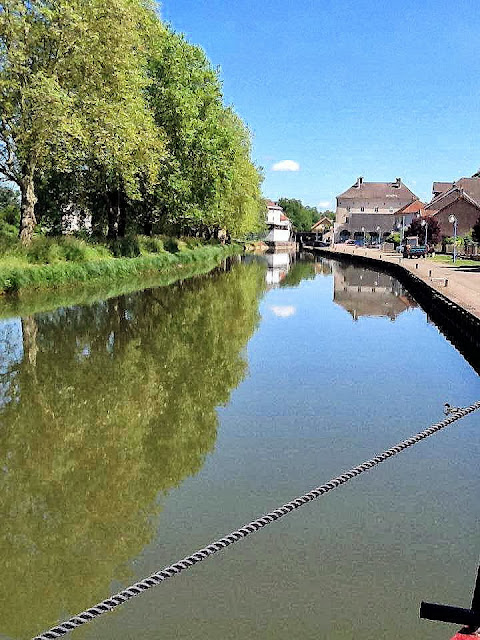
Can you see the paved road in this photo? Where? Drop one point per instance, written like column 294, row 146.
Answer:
column 463, row 282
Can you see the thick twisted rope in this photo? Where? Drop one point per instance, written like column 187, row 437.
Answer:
column 243, row 532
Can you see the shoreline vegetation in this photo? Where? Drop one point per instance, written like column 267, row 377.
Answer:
column 58, row 264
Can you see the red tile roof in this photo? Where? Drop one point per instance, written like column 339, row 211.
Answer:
column 416, row 206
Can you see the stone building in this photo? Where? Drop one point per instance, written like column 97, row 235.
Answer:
column 370, row 206
column 460, row 198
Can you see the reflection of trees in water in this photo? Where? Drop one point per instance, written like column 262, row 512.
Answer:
column 110, row 405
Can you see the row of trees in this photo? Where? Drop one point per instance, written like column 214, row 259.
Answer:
column 106, row 112
column 302, row 216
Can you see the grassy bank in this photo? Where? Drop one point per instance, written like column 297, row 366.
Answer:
column 69, row 262
column 461, row 262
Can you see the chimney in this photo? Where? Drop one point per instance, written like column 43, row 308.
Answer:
column 359, row 181
column 398, row 182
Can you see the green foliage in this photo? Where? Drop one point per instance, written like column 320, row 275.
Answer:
column 127, row 247
column 394, row 237
column 125, row 123
column 302, row 217
column 9, row 211
column 150, row 244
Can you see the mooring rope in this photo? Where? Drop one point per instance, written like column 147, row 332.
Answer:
column 174, row 569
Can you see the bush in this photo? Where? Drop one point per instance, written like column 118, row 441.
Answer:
column 151, row 244
column 171, row 245
column 127, row 247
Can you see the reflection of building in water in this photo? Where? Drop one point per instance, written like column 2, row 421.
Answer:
column 323, row 267
column 363, row 292
column 278, row 265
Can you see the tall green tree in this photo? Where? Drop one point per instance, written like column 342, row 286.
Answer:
column 303, row 217
column 207, row 180
column 72, row 83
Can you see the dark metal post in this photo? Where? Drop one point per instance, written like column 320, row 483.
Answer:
column 444, row 613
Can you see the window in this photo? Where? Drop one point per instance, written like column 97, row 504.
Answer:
column 348, row 209
column 346, row 220
column 376, row 209
column 362, row 208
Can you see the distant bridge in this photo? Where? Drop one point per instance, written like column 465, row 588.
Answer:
column 308, row 238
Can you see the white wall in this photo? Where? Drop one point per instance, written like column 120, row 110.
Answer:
column 278, row 235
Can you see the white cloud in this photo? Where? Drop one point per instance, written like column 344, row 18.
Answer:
column 324, row 204
column 286, row 165
column 284, row 312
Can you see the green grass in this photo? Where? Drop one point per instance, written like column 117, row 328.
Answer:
column 63, row 262
column 448, row 259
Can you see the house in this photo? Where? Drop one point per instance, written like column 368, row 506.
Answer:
column 461, row 199
column 279, row 225
column 322, row 225
column 405, row 215
column 369, row 208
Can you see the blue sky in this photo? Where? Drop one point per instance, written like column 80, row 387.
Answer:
column 345, row 88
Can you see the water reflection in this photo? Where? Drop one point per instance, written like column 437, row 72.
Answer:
column 278, row 266
column 288, row 269
column 103, row 408
column 363, row 292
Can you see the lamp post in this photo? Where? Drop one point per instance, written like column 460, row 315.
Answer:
column 378, row 232
column 452, row 219
column 363, row 232
column 424, row 223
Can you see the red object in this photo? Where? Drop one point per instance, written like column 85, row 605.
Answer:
column 464, row 636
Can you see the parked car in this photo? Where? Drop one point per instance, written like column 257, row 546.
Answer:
column 350, row 242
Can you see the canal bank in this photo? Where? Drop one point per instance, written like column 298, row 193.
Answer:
column 450, row 295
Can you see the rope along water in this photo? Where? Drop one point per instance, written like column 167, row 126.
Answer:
column 252, row 527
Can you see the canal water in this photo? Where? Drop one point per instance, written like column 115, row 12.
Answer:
column 137, row 429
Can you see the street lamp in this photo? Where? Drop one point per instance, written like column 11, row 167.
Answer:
column 424, row 223
column 452, row 219
column 400, row 226
column 378, row 232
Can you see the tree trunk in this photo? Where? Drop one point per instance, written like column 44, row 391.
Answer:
column 148, row 227
column 122, row 214
column 112, row 215
column 27, row 208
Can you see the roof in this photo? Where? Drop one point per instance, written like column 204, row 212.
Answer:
column 322, row 222
column 273, row 205
column 441, row 187
column 465, row 187
column 363, row 189
column 284, row 217
column 471, row 186
column 412, row 207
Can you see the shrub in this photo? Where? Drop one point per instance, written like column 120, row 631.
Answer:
column 171, row 245
column 151, row 244
column 127, row 247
